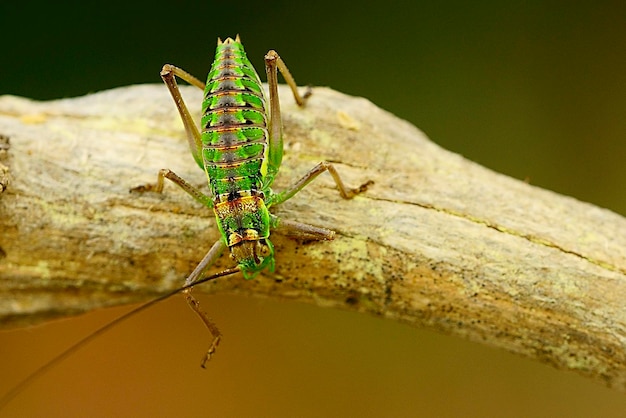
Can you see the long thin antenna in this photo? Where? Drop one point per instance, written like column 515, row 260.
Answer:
column 34, row 376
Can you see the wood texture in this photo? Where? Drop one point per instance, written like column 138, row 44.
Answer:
column 437, row 241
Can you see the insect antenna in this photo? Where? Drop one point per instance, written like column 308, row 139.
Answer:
column 41, row 371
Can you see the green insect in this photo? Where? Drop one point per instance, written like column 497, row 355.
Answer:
column 240, row 147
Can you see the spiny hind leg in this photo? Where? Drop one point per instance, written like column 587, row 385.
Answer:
column 209, row 259
column 273, row 63
column 345, row 192
column 170, row 70
column 179, row 181
column 169, row 74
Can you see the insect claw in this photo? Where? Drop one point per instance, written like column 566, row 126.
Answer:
column 308, row 92
column 143, row 188
column 363, row 187
column 210, row 352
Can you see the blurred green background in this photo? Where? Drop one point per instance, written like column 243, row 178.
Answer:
column 532, row 89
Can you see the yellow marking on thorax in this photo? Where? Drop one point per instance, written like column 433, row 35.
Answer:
column 238, row 207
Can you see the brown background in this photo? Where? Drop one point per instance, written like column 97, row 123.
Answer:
column 536, row 90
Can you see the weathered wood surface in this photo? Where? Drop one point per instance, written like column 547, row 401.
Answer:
column 438, row 241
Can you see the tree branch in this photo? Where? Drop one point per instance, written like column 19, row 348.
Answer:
column 437, row 241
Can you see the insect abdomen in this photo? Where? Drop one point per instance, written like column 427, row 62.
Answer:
column 234, row 125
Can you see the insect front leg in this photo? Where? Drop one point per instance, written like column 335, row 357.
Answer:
column 168, row 74
column 311, row 175
column 209, row 259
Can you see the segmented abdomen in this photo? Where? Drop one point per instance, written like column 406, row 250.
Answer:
column 234, row 125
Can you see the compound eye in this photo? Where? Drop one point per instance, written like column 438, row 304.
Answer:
column 264, row 250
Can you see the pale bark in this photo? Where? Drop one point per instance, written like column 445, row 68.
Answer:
column 437, row 241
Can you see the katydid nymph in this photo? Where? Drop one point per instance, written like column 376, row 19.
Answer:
column 239, row 145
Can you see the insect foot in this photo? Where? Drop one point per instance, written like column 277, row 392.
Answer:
column 362, row 188
column 143, row 188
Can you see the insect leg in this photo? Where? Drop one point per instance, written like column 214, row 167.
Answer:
column 209, row 259
column 179, row 181
column 214, row 253
column 273, row 63
column 301, row 230
column 310, row 176
column 168, row 74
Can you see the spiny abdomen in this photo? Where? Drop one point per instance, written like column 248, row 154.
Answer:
column 234, row 125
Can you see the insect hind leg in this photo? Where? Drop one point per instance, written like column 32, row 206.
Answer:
column 168, row 75
column 273, row 64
